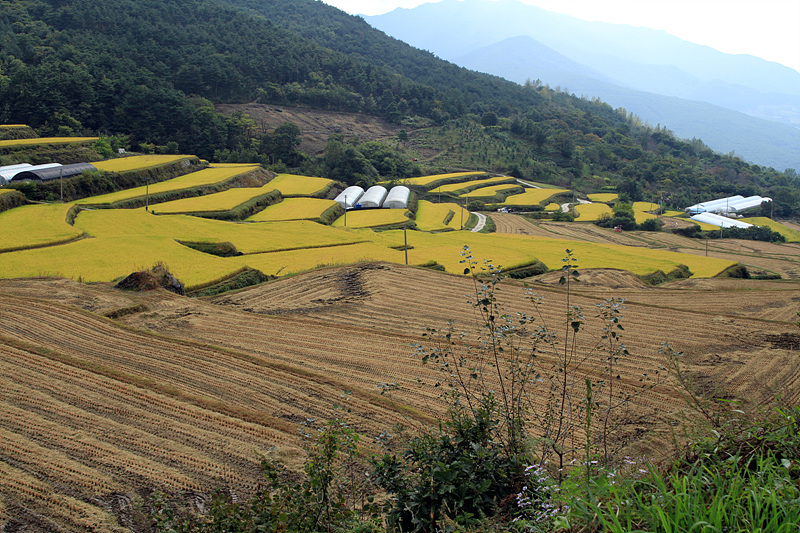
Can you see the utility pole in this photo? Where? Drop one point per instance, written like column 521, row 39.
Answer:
column 61, row 181
column 405, row 242
column 345, row 211
column 147, row 195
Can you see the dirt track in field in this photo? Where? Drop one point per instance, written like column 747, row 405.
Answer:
column 182, row 395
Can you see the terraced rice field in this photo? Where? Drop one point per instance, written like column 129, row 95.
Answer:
column 592, row 212
column 46, row 140
column 533, row 196
column 603, row 197
column 185, row 393
column 792, row 235
column 455, row 187
column 781, row 259
column 221, row 201
column 207, row 176
column 294, row 185
column 489, row 191
column 32, row 226
column 371, row 218
column 431, row 216
column 293, row 209
column 427, row 181
column 137, row 162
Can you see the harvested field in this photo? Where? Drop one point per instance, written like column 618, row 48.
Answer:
column 182, row 394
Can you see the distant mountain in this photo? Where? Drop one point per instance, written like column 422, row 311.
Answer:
column 636, row 59
column 763, row 141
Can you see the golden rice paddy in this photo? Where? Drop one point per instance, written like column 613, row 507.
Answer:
column 428, row 180
column 533, row 196
column 208, row 176
column 490, row 191
column 371, row 218
column 591, row 212
column 136, row 162
column 46, row 140
column 293, row 209
column 31, row 226
column 294, row 185
column 220, row 201
column 603, row 197
column 248, row 237
column 431, row 216
column 791, row 235
column 454, row 187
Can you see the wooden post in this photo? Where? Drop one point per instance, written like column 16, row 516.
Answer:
column 61, row 181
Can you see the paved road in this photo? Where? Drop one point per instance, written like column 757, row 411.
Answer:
column 481, row 222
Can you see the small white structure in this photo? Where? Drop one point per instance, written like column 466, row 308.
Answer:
column 397, row 198
column 720, row 221
column 350, row 196
column 9, row 171
column 374, row 196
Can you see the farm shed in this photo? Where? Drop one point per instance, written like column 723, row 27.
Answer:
column 713, row 205
column 397, row 198
column 348, row 197
column 374, row 196
column 719, row 220
column 53, row 173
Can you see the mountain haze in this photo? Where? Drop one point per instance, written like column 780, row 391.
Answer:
column 620, row 64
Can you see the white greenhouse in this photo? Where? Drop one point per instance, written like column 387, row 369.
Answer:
column 397, row 198
column 745, row 203
column 9, row 171
column 374, row 196
column 720, row 221
column 713, row 205
column 348, row 197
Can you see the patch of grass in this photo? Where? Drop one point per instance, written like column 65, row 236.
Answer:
column 246, row 278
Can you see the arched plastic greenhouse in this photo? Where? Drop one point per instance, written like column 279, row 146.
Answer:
column 348, row 197
column 373, row 197
column 53, row 173
column 397, row 198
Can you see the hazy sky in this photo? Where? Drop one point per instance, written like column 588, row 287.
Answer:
column 769, row 29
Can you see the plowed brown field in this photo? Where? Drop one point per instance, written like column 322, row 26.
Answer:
column 184, row 395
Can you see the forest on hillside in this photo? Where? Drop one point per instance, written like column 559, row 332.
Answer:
column 151, row 71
